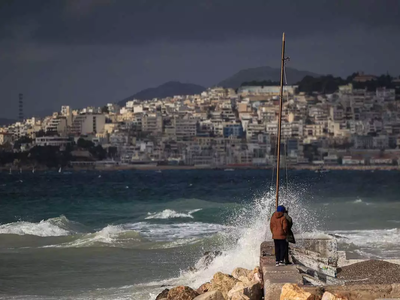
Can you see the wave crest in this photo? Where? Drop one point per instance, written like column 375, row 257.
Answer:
column 111, row 235
column 59, row 226
column 171, row 214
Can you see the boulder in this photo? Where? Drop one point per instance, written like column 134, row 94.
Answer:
column 205, row 287
column 239, row 296
column 252, row 290
column 294, row 292
column 255, row 275
column 223, row 282
column 213, row 295
column 182, row 293
column 245, row 280
column 238, row 272
column 162, row 295
column 330, row 296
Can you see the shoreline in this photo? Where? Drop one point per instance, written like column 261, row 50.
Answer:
column 316, row 168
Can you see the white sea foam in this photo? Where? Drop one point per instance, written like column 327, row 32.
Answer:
column 174, row 232
column 52, row 227
column 358, row 201
column 111, row 235
column 171, row 214
column 372, row 243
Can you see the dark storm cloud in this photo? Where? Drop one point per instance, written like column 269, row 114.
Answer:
column 90, row 52
column 144, row 21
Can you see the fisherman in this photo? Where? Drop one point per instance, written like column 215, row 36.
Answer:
column 279, row 228
column 290, row 236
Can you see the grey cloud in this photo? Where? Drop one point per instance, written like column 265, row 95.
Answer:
column 92, row 52
column 146, row 21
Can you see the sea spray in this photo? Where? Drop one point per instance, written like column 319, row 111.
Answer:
column 241, row 246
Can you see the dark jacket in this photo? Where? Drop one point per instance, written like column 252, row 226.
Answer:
column 278, row 226
column 290, row 235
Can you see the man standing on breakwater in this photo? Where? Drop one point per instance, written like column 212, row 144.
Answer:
column 289, row 236
column 279, row 229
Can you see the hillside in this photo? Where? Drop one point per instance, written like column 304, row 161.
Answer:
column 264, row 73
column 167, row 89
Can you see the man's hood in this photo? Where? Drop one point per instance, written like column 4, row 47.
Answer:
column 277, row 215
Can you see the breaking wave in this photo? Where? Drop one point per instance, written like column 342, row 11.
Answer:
column 59, row 226
column 111, row 235
column 171, row 214
column 250, row 224
column 174, row 232
column 378, row 243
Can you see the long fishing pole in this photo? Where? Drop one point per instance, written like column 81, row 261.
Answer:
column 278, row 158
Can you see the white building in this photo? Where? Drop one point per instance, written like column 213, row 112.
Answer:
column 57, row 124
column 185, row 127
column 152, row 123
column 88, row 123
column 5, row 137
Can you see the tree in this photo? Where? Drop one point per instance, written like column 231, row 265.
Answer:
column 324, row 84
column 22, row 140
column 112, row 151
column 85, row 144
column 105, row 109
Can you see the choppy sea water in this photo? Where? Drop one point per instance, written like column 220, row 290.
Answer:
column 125, row 234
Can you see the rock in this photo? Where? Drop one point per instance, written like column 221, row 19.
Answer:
column 294, row 292
column 162, row 295
column 238, row 272
column 209, row 256
column 255, row 275
column 223, row 282
column 252, row 290
column 205, row 287
column 245, row 280
column 182, row 293
column 238, row 296
column 213, row 295
column 330, row 296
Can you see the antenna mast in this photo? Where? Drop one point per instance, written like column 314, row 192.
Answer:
column 21, row 107
column 278, row 158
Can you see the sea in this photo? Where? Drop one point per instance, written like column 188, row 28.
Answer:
column 130, row 234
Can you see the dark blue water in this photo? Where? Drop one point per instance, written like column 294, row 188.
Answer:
column 95, row 234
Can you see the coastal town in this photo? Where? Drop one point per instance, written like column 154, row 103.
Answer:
column 354, row 125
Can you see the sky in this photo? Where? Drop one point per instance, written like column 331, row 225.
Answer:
column 93, row 52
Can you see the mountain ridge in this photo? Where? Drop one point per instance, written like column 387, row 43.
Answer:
column 264, row 73
column 168, row 89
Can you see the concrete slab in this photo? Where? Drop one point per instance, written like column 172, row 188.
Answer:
column 275, row 277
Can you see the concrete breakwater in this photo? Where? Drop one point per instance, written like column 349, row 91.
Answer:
column 245, row 284
column 318, row 272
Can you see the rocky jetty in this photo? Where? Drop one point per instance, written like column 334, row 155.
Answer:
column 242, row 284
column 368, row 280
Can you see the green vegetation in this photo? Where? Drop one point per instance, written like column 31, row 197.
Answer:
column 51, row 156
column 329, row 84
column 324, row 84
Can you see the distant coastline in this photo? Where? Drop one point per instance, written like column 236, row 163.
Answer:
column 316, row 168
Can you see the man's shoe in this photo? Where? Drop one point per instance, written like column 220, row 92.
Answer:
column 281, row 263
column 277, row 264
